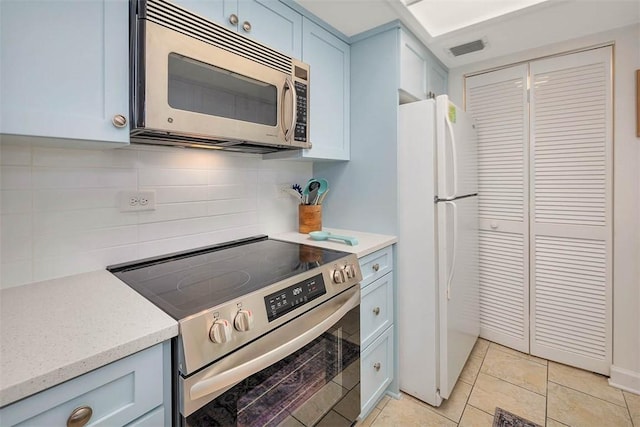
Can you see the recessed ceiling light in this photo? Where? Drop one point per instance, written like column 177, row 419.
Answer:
column 443, row 16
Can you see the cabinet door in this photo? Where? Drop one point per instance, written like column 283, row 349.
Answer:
column 65, row 69
column 413, row 69
column 437, row 78
column 271, row 23
column 329, row 58
column 218, row 11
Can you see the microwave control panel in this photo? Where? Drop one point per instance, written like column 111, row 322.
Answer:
column 300, row 132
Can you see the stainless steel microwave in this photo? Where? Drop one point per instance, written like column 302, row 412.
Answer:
column 195, row 83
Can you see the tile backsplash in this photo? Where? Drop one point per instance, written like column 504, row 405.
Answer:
column 60, row 207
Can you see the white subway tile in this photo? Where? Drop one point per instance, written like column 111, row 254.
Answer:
column 156, row 231
column 181, row 243
column 15, row 155
column 70, row 199
column 16, row 237
column 16, row 201
column 222, row 207
column 239, row 191
column 82, row 261
column 15, row 177
column 15, row 273
column 72, row 158
column 227, row 160
column 55, row 178
column 233, row 177
column 173, row 211
column 172, row 177
column 49, row 245
column 173, row 157
column 74, row 221
column 179, row 194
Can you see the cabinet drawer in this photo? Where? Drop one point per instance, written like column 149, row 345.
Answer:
column 154, row 418
column 376, row 309
column 376, row 265
column 376, row 370
column 117, row 393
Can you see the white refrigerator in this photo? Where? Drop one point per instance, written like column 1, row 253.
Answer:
column 437, row 258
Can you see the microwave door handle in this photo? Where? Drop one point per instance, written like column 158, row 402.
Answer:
column 288, row 130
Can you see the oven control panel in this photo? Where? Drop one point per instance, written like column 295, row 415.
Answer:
column 280, row 303
column 343, row 274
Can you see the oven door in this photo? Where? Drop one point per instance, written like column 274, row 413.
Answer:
column 304, row 371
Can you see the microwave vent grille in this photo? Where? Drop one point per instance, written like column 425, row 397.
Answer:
column 188, row 23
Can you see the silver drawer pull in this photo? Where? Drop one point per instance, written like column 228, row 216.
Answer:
column 233, row 19
column 80, row 416
column 376, row 366
column 376, row 310
column 246, row 26
column 376, row 267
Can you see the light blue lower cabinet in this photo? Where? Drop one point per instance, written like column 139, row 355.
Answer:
column 125, row 391
column 376, row 371
column 154, row 418
column 377, row 306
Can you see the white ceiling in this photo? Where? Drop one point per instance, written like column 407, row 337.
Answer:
column 538, row 25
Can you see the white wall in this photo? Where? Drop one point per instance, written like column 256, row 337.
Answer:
column 626, row 270
column 60, row 216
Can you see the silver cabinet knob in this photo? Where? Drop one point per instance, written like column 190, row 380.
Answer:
column 233, row 19
column 80, row 416
column 376, row 310
column 376, row 366
column 246, row 26
column 119, row 121
column 376, row 267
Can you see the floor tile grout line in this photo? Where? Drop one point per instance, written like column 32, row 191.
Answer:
column 497, row 347
column 628, row 409
column 513, row 384
column 590, row 395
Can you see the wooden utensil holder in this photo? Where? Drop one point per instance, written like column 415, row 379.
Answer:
column 309, row 218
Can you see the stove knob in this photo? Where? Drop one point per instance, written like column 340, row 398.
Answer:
column 220, row 331
column 243, row 321
column 338, row 276
column 350, row 271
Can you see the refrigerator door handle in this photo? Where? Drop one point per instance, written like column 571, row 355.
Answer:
column 455, row 241
column 454, row 155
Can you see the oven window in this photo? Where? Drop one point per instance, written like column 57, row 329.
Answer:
column 203, row 88
column 320, row 382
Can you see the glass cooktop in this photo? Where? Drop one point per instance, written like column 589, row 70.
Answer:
column 188, row 282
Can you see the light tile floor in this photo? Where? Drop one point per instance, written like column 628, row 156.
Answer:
column 542, row 391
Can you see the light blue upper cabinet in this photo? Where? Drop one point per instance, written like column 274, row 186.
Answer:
column 272, row 23
column 65, row 69
column 329, row 118
column 422, row 76
column 267, row 21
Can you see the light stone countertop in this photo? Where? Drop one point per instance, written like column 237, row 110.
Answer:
column 58, row 329
column 367, row 242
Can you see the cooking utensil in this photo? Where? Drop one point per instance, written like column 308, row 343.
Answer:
column 313, row 192
column 324, row 235
column 324, row 187
column 321, row 198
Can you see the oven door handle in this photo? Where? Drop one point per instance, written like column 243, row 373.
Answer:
column 297, row 334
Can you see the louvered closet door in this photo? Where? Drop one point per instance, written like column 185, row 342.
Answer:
column 498, row 102
column 571, row 156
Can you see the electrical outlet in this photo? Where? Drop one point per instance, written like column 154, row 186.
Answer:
column 135, row 201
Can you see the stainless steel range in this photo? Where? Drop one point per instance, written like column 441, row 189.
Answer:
column 268, row 329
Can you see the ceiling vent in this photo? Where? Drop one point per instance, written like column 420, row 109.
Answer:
column 463, row 49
